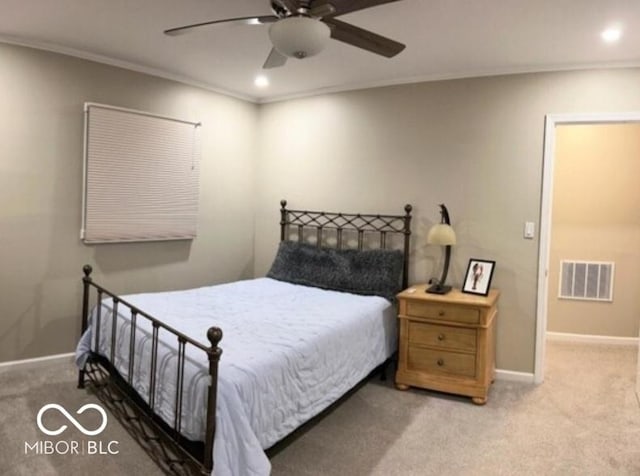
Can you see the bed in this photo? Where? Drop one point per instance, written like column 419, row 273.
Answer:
column 294, row 342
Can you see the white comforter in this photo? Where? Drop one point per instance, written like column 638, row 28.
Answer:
column 289, row 351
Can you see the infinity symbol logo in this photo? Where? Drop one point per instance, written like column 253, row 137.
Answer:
column 69, row 417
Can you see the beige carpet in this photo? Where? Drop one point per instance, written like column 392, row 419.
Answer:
column 584, row 420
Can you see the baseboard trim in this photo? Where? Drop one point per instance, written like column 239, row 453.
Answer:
column 591, row 339
column 36, row 360
column 512, row 376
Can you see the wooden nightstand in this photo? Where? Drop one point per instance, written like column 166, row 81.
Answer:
column 447, row 342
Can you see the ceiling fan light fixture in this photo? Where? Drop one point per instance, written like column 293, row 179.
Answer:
column 299, row 37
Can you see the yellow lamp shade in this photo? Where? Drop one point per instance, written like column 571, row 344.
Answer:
column 441, row 234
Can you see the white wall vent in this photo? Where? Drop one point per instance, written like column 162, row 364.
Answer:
column 586, row 280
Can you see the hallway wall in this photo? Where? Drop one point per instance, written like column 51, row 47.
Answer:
column 596, row 217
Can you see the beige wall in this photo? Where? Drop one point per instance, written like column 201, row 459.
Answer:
column 41, row 256
column 596, row 216
column 474, row 144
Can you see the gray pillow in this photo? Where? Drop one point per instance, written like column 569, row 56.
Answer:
column 368, row 272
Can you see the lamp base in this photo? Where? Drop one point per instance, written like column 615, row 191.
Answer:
column 438, row 289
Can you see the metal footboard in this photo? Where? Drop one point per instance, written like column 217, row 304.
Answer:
column 170, row 449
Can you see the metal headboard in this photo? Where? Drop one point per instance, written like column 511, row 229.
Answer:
column 341, row 225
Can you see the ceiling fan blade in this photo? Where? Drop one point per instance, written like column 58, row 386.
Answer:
column 274, row 60
column 242, row 20
column 364, row 39
column 342, row 7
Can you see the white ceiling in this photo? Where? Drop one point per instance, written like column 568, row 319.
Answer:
column 444, row 38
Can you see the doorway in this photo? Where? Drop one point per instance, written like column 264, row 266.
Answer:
column 551, row 123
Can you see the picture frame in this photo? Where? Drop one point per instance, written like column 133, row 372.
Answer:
column 478, row 276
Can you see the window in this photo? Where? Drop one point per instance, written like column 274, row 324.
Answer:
column 141, row 176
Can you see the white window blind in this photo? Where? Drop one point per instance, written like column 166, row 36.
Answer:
column 141, row 180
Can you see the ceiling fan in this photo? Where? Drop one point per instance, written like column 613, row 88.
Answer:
column 301, row 28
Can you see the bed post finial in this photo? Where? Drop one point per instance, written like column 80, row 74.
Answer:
column 283, row 203
column 214, row 334
column 87, row 270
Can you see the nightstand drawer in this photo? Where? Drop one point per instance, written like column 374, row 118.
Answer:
column 465, row 315
column 440, row 362
column 444, row 337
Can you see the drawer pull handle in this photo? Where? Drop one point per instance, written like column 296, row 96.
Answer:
column 440, row 336
column 441, row 313
column 440, row 362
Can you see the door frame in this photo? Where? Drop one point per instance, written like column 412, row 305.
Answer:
column 551, row 121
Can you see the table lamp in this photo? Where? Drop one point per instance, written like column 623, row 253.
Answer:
column 442, row 234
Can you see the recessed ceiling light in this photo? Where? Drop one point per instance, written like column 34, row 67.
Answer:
column 261, row 81
column 611, row 35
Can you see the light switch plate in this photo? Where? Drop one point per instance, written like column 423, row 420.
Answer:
column 529, row 230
